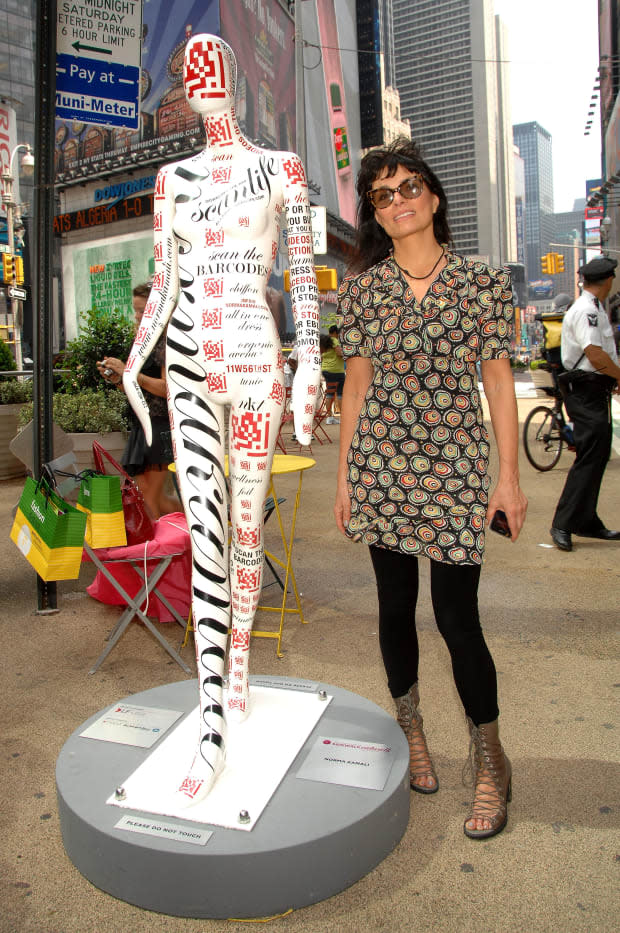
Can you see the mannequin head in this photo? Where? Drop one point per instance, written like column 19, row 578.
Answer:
column 209, row 74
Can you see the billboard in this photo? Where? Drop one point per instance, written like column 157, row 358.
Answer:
column 336, row 108
column 8, row 141
column 260, row 33
column 101, row 274
column 593, row 185
column 84, row 149
column 540, row 288
column 262, row 36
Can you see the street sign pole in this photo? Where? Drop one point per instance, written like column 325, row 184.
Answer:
column 42, row 252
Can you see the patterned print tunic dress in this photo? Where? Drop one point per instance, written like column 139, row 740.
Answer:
column 419, row 456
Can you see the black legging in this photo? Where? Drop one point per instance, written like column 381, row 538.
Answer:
column 454, row 592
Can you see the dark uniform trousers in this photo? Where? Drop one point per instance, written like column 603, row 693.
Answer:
column 589, row 409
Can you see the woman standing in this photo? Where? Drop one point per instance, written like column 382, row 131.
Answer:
column 147, row 465
column 412, row 478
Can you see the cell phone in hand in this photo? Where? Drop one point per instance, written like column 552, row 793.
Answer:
column 499, row 523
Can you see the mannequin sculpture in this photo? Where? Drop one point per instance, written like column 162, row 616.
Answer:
column 216, row 225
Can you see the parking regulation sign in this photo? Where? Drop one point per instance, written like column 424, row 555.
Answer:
column 98, row 62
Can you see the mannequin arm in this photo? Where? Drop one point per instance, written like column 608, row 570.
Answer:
column 304, row 295
column 161, row 301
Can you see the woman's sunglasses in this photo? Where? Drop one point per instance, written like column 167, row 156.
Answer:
column 410, row 188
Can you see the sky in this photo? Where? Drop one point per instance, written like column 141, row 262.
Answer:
column 553, row 49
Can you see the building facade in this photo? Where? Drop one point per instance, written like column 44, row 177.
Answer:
column 17, row 108
column 609, row 194
column 452, row 88
column 535, row 148
column 568, row 229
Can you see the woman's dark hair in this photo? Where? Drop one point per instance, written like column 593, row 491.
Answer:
column 141, row 291
column 373, row 244
column 325, row 342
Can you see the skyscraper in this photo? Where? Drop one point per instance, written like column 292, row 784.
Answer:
column 451, row 84
column 535, row 148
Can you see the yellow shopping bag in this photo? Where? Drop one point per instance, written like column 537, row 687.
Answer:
column 49, row 532
column 100, row 498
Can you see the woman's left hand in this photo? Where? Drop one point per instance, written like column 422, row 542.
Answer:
column 510, row 498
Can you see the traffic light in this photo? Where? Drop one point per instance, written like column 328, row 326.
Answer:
column 547, row 263
column 19, row 270
column 7, row 268
column 559, row 262
column 326, row 279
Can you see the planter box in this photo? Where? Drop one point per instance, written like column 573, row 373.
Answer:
column 114, row 443
column 10, row 466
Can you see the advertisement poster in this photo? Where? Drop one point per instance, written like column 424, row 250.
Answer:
column 334, row 88
column 102, row 273
column 165, row 116
column 262, row 35
column 8, row 141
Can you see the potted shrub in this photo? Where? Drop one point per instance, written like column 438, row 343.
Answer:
column 100, row 335
column 88, row 415
column 13, row 395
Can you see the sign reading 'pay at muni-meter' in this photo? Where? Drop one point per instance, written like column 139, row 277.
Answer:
column 98, row 62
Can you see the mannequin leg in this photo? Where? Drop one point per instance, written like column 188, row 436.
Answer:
column 199, row 440
column 252, row 443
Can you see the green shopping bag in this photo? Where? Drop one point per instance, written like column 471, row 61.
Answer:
column 49, row 532
column 100, row 498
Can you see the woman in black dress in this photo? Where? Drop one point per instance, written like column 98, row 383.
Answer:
column 414, row 319
column 147, row 465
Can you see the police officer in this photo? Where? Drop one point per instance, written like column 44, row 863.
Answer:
column 588, row 345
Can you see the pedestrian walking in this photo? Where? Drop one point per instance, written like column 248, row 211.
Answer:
column 589, row 355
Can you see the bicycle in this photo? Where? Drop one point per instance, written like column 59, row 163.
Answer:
column 546, row 432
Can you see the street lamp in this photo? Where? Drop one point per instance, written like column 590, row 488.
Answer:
column 13, row 223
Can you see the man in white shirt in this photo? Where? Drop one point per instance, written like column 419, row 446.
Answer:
column 588, row 346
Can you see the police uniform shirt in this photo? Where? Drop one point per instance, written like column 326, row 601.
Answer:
column 585, row 324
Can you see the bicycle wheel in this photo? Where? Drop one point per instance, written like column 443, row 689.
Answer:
column 542, row 439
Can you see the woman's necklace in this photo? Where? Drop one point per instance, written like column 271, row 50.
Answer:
column 419, row 278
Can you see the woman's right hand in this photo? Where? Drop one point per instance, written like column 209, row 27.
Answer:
column 342, row 506
column 111, row 369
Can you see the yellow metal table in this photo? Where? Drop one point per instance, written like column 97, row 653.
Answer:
column 282, row 464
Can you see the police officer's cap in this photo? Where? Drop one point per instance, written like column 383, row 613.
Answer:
column 599, row 269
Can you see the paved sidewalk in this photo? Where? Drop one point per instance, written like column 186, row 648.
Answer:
column 551, row 620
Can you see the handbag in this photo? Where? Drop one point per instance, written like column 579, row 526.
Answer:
column 139, row 526
column 49, row 531
column 101, row 499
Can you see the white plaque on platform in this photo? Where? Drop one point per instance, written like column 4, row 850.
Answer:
column 304, row 686
column 259, row 752
column 132, row 725
column 348, row 761
column 164, row 830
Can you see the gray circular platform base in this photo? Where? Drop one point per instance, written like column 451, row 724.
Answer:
column 312, row 841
